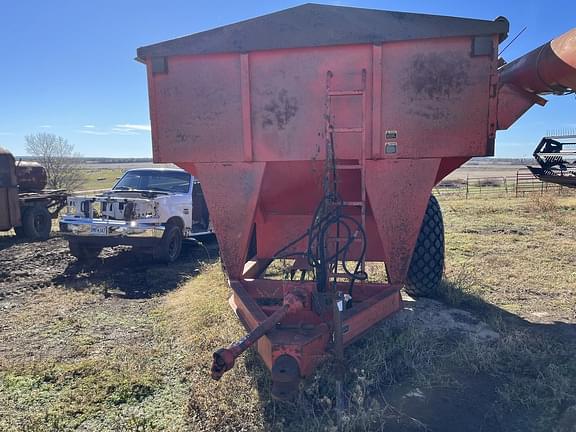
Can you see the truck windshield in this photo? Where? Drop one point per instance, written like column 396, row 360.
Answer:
column 162, row 181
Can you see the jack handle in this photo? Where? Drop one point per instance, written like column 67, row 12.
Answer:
column 224, row 358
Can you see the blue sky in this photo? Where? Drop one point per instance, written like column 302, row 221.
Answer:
column 68, row 66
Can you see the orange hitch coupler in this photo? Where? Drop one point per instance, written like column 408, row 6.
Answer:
column 223, row 359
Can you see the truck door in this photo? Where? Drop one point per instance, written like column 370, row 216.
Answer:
column 9, row 204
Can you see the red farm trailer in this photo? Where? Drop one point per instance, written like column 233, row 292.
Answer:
column 25, row 204
column 318, row 133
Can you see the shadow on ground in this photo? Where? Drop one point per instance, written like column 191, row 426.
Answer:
column 126, row 273
column 452, row 295
column 29, row 266
column 8, row 240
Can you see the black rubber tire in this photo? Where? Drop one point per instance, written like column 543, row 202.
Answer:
column 427, row 264
column 82, row 251
column 170, row 246
column 37, row 223
column 19, row 230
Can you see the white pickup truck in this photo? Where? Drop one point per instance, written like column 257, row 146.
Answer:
column 152, row 209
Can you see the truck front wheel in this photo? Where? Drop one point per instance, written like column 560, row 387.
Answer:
column 170, row 246
column 37, row 223
column 82, row 251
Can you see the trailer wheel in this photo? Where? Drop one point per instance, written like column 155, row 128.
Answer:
column 82, row 252
column 37, row 222
column 427, row 264
column 170, row 246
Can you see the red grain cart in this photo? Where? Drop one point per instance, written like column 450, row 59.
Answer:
column 318, row 133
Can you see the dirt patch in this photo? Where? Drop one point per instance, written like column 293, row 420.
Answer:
column 30, row 266
column 431, row 315
column 78, row 325
column 506, row 231
column 118, row 271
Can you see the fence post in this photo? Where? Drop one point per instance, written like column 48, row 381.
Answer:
column 505, row 186
column 467, row 182
column 517, row 171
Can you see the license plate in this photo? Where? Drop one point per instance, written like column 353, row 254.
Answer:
column 99, row 230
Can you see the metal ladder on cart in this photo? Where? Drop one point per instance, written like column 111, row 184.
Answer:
column 333, row 166
column 332, row 133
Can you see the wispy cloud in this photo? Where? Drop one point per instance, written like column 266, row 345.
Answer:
column 46, row 126
column 134, row 127
column 92, row 132
column 121, row 131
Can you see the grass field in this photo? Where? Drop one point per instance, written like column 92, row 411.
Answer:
column 100, row 178
column 74, row 357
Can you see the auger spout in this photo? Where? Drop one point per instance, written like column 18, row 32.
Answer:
column 550, row 68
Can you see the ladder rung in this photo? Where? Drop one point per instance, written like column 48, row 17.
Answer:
column 348, row 167
column 353, row 203
column 348, row 130
column 345, row 92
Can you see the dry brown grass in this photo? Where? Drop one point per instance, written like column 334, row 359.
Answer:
column 198, row 316
column 518, row 252
column 541, row 203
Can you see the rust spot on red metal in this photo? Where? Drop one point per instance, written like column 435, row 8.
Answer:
column 437, row 76
column 279, row 111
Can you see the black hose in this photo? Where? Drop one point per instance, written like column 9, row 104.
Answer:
column 329, row 214
column 317, row 235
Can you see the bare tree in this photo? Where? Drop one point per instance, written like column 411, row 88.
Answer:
column 57, row 156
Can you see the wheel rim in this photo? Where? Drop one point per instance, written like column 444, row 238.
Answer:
column 173, row 247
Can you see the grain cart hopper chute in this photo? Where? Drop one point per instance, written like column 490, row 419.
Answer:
column 318, row 133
